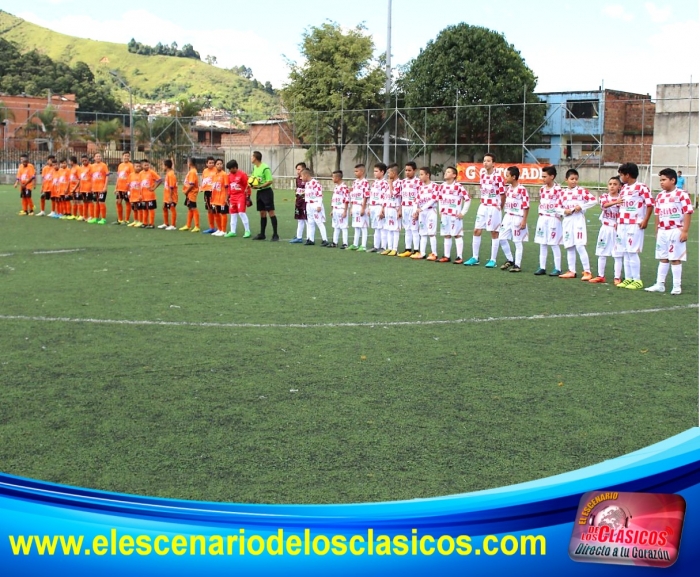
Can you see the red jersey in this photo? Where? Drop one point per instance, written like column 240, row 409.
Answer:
column 237, row 184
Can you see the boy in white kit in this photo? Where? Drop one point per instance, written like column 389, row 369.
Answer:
column 339, row 206
column 673, row 209
column 454, row 204
column 359, row 195
column 409, row 190
column 549, row 222
column 390, row 212
column 635, row 212
column 607, row 244
column 514, row 225
column 315, row 213
column 380, row 188
column 426, row 216
column 489, row 215
column 575, row 201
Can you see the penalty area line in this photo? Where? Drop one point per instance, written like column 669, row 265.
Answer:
column 343, row 325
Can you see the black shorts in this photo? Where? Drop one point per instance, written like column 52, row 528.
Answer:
column 89, row 197
column 207, row 199
column 190, row 204
column 46, row 195
column 78, row 196
column 101, row 197
column 122, row 196
column 64, row 197
column 25, row 193
column 149, row 204
column 219, row 209
column 169, row 204
column 265, row 199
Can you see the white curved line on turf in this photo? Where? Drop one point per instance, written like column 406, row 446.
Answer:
column 62, row 251
column 343, row 325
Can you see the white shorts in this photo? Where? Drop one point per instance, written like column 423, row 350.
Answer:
column 669, row 245
column 338, row 220
column 510, row 228
column 407, row 213
column 319, row 217
column 374, row 221
column 607, row 244
column 427, row 222
column 574, row 230
column 357, row 220
column 450, row 225
column 630, row 238
column 488, row 218
column 548, row 231
column 391, row 220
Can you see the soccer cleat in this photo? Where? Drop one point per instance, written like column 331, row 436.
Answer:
column 444, row 259
column 102, row 221
column 472, row 262
column 259, row 237
column 406, row 254
column 509, row 264
column 373, row 250
column 219, row 233
column 540, row 272
column 79, row 219
column 432, row 257
column 309, row 242
column 676, row 290
column 515, row 268
column 42, row 213
column 385, row 252
column 51, row 214
column 171, row 227
column 353, row 247
column 182, row 228
column 362, row 249
column 417, row 256
column 344, row 247
column 91, row 220
column 490, row 264
column 597, row 280
column 148, row 226
column 275, row 238
column 392, row 253
column 617, row 281
column 71, row 217
column 196, row 229
column 555, row 272
column 656, row 288
column 635, row 285
column 332, row 245
column 22, row 213
column 625, row 283
column 325, row 243
column 230, row 234
column 568, row 274
column 458, row 260
column 586, row 276
column 64, row 217
column 209, row 231
column 246, row 234
column 117, row 222
column 296, row 241
column 161, row 226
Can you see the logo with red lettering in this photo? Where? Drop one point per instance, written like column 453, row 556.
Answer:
column 641, row 529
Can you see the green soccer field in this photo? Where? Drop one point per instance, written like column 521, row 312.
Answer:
column 179, row 365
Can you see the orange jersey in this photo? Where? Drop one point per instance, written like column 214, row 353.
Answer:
column 208, row 179
column 85, row 174
column 99, row 177
column 62, row 181
column 124, row 176
column 54, row 182
column 170, row 187
column 191, row 185
column 74, row 178
column 46, row 178
column 135, row 187
column 219, row 193
column 149, row 179
column 26, row 176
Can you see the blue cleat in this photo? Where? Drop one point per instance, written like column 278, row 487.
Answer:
column 209, row 231
column 490, row 264
column 472, row 262
column 296, row 241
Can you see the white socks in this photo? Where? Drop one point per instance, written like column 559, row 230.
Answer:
column 336, row 234
column 408, row 239
column 300, row 228
column 245, row 221
column 618, row 266
column 423, row 244
column 556, row 251
column 494, row 248
column 676, row 271
column 433, row 245
column 601, row 265
column 518, row 253
column 448, row 247
column 459, row 245
column 476, row 245
column 662, row 272
column 543, row 256
column 378, row 238
column 345, row 236
column 233, row 222
column 635, row 267
column 311, row 230
column 506, row 250
column 583, row 256
column 571, row 258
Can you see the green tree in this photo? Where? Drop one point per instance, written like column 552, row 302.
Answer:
column 338, row 73
column 472, row 65
column 5, row 113
column 103, row 132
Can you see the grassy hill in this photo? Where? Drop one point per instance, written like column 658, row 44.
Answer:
column 152, row 78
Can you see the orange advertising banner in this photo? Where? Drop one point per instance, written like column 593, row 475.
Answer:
column 529, row 173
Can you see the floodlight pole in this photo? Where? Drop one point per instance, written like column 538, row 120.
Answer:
column 131, row 111
column 387, row 89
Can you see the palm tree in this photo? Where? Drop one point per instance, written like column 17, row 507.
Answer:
column 103, row 132
column 66, row 134
column 5, row 113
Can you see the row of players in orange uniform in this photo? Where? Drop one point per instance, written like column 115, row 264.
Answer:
column 79, row 192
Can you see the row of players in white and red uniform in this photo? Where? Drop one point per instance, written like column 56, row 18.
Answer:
column 413, row 203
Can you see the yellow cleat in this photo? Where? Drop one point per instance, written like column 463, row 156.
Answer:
column 22, row 213
column 184, row 228
column 405, row 254
column 196, row 229
column 391, row 253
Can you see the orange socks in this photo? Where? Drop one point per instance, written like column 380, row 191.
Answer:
column 166, row 222
column 120, row 211
column 128, row 211
column 212, row 219
column 173, row 216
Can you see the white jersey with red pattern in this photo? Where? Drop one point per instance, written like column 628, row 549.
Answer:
column 517, row 200
column 671, row 207
column 451, row 197
column 378, row 192
column 341, row 196
column 313, row 192
column 360, row 191
column 610, row 215
column 409, row 191
column 634, row 198
column 579, row 196
column 392, row 199
column 427, row 195
column 491, row 187
column 550, row 201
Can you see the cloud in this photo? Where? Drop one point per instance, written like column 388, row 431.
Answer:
column 231, row 47
column 618, row 12
column 658, row 15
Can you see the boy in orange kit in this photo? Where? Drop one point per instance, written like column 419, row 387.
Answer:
column 73, row 188
column 85, row 188
column 121, row 192
column 46, row 183
column 135, row 195
column 219, row 199
column 100, row 172
column 169, row 196
column 26, row 176
column 207, row 186
column 150, row 180
column 190, row 189
column 62, row 187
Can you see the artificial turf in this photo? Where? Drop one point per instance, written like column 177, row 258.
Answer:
column 349, row 409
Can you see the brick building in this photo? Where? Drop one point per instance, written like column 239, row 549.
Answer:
column 21, row 109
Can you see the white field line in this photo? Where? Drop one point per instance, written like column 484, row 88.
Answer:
column 62, row 251
column 343, row 325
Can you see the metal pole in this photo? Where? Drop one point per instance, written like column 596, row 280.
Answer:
column 641, row 156
column 488, row 145
column 425, row 133
column 524, row 102
column 456, row 122
column 387, row 88
column 131, row 124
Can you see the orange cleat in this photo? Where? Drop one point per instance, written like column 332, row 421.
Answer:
column 597, row 280
column 432, row 256
column 417, row 256
column 568, row 274
column 617, row 281
column 586, row 276
column 444, row 259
